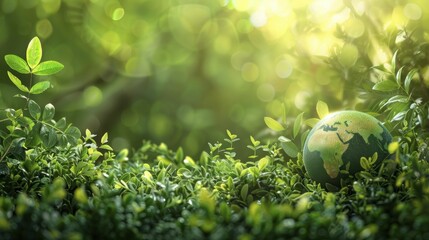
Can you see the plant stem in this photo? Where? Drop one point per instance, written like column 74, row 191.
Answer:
column 29, row 87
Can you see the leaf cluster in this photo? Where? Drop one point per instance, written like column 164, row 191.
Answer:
column 160, row 193
column 57, row 183
column 33, row 66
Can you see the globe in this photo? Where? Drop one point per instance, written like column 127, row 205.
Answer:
column 339, row 140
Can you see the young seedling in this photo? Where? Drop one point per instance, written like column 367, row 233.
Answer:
column 32, row 65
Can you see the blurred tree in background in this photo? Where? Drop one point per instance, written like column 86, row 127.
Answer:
column 184, row 71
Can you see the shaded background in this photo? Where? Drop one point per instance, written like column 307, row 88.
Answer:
column 182, row 71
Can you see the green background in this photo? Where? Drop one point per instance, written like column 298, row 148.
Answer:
column 182, row 72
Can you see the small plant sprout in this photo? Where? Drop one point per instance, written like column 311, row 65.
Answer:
column 32, row 66
column 254, row 147
column 231, row 139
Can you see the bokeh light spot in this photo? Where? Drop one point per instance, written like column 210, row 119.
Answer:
column 137, row 67
column 243, row 5
column 120, row 143
column 186, row 114
column 131, row 119
column 44, row 28
column 359, row 6
column 339, row 18
column 412, row 11
column 9, row 6
column 398, row 17
column 318, row 44
column 92, row 96
column 186, row 22
column 222, row 44
column 301, row 99
column 348, row 55
column 354, row 27
column 322, row 9
column 275, row 28
column 111, row 41
column 280, row 7
column 380, row 55
column 238, row 59
column 275, row 108
column 284, row 68
column 159, row 125
column 266, row 92
column 259, row 19
column 236, row 113
column 250, row 72
column 118, row 14
column 244, row 26
column 51, row 6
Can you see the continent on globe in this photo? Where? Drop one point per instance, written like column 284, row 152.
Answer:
column 341, row 139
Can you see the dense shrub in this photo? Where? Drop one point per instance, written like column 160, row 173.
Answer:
column 57, row 183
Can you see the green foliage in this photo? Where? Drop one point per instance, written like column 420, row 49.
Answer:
column 216, row 197
column 32, row 66
column 59, row 183
column 273, row 124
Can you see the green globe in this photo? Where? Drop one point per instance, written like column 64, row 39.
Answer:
column 338, row 142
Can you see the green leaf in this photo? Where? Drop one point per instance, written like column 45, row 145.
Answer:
column 273, row 124
column 179, row 154
column 385, row 86
column 243, row 192
column 374, row 158
column 254, row 142
column 48, row 136
column 48, row 68
column 34, row 109
column 399, row 76
column 33, row 138
column 80, row 195
column 263, row 163
column 207, row 201
column 106, row 147
column 393, row 147
column 394, row 61
column 304, row 137
column 395, row 99
column 17, row 63
column 365, row 164
column 399, row 116
column 17, row 82
column 297, row 124
column 40, row 87
column 34, row 52
column 311, row 122
column 289, row 147
column 322, row 109
column 88, row 134
column 105, row 138
column 48, row 112
column 184, row 172
column 61, row 124
column 408, row 79
column 284, row 139
column 21, row 96
column 4, row 169
column 188, row 161
column 230, row 135
column 72, row 134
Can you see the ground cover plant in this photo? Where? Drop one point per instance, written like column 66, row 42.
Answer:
column 57, row 182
